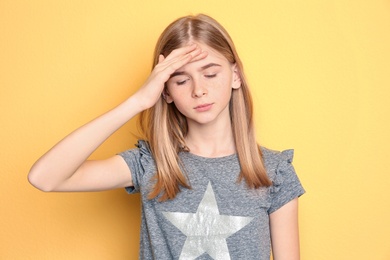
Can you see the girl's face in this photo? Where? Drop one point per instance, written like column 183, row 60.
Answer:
column 201, row 90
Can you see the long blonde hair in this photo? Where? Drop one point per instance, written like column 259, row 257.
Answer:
column 165, row 127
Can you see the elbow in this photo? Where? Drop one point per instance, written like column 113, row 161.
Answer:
column 36, row 180
column 38, row 184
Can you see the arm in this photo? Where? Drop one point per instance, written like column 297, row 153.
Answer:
column 284, row 232
column 65, row 166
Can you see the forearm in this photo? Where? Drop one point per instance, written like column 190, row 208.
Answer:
column 63, row 160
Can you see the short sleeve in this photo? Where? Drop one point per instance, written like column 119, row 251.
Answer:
column 140, row 162
column 286, row 184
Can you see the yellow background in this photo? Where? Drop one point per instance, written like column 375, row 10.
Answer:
column 320, row 75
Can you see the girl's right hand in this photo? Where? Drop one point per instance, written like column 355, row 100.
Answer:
column 65, row 166
column 152, row 89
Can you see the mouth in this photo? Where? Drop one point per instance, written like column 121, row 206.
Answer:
column 203, row 107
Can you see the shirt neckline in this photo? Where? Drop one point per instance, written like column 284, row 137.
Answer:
column 209, row 159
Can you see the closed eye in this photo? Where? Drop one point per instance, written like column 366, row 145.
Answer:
column 181, row 82
column 210, row 75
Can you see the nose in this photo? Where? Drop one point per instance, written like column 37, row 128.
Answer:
column 198, row 90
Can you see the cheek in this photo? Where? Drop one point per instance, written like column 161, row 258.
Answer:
column 221, row 86
column 177, row 93
column 179, row 96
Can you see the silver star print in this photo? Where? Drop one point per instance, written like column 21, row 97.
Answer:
column 206, row 230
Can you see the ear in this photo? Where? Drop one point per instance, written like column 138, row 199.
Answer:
column 236, row 84
column 166, row 96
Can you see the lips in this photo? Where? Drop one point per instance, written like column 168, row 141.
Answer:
column 203, row 107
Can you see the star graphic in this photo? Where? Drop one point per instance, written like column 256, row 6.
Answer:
column 206, row 230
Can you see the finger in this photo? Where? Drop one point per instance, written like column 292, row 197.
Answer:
column 181, row 60
column 161, row 58
column 180, row 57
column 200, row 56
column 182, row 51
column 178, row 63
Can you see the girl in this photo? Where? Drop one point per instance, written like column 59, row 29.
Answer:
column 208, row 191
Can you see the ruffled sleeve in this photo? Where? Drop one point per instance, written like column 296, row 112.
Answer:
column 140, row 163
column 286, row 184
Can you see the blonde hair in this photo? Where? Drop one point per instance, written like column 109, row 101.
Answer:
column 165, row 127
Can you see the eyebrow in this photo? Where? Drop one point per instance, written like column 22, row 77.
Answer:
column 178, row 73
column 209, row 65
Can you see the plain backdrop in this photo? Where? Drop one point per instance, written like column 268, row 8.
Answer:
column 320, row 75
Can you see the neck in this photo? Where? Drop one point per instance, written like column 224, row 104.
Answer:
column 211, row 140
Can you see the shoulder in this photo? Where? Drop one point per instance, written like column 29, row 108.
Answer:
column 278, row 164
column 285, row 182
column 139, row 157
column 141, row 149
column 141, row 164
column 274, row 158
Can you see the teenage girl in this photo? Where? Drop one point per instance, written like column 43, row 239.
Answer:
column 208, row 190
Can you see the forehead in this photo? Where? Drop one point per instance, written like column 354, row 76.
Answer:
column 212, row 52
column 213, row 56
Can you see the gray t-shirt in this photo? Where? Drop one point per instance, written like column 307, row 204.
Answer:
column 218, row 218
